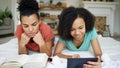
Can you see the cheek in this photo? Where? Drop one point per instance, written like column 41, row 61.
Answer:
column 72, row 33
column 25, row 30
column 83, row 31
column 36, row 28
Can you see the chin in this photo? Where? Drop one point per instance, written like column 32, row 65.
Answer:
column 31, row 36
column 78, row 39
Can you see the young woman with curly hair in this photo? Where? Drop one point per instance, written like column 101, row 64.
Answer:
column 77, row 33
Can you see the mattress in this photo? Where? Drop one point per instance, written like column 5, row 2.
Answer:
column 110, row 48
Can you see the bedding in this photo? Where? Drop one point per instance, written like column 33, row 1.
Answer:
column 109, row 46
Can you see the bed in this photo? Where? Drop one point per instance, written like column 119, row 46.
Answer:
column 110, row 48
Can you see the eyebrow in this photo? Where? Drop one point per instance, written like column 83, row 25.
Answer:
column 24, row 24
column 80, row 26
column 32, row 23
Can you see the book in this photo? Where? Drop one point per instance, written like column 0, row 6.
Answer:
column 27, row 61
column 2, row 60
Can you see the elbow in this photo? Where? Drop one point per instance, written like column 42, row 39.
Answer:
column 56, row 54
column 20, row 53
column 50, row 54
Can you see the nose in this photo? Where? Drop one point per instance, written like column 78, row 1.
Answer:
column 77, row 32
column 30, row 28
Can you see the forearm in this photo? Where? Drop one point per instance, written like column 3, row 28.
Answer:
column 96, row 47
column 98, row 53
column 44, row 49
column 22, row 49
column 64, row 56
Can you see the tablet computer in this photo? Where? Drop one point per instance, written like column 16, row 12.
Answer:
column 78, row 62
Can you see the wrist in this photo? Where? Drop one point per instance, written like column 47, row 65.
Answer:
column 41, row 43
column 22, row 45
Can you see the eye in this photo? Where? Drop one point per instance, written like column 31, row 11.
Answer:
column 25, row 26
column 72, row 29
column 81, row 27
column 34, row 24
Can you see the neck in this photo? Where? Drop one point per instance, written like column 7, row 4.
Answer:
column 78, row 43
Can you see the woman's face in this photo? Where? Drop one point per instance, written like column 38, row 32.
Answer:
column 30, row 24
column 78, row 29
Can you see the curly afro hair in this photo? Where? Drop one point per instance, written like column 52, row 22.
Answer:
column 28, row 7
column 67, row 18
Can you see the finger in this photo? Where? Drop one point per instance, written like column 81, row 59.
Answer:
column 37, row 33
column 78, row 56
column 92, row 63
column 25, row 37
column 88, row 66
column 22, row 35
column 99, row 59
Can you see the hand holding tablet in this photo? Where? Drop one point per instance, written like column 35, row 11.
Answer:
column 78, row 62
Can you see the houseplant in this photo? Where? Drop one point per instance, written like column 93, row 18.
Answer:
column 1, row 17
column 7, row 16
column 7, row 13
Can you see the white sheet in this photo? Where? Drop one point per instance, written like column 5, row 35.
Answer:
column 109, row 46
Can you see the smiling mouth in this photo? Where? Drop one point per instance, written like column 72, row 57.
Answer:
column 77, row 36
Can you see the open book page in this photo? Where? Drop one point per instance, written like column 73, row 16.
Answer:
column 36, row 61
column 27, row 61
column 2, row 59
column 12, row 64
column 21, row 59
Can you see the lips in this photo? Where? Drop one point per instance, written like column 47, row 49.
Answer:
column 77, row 36
column 31, row 34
